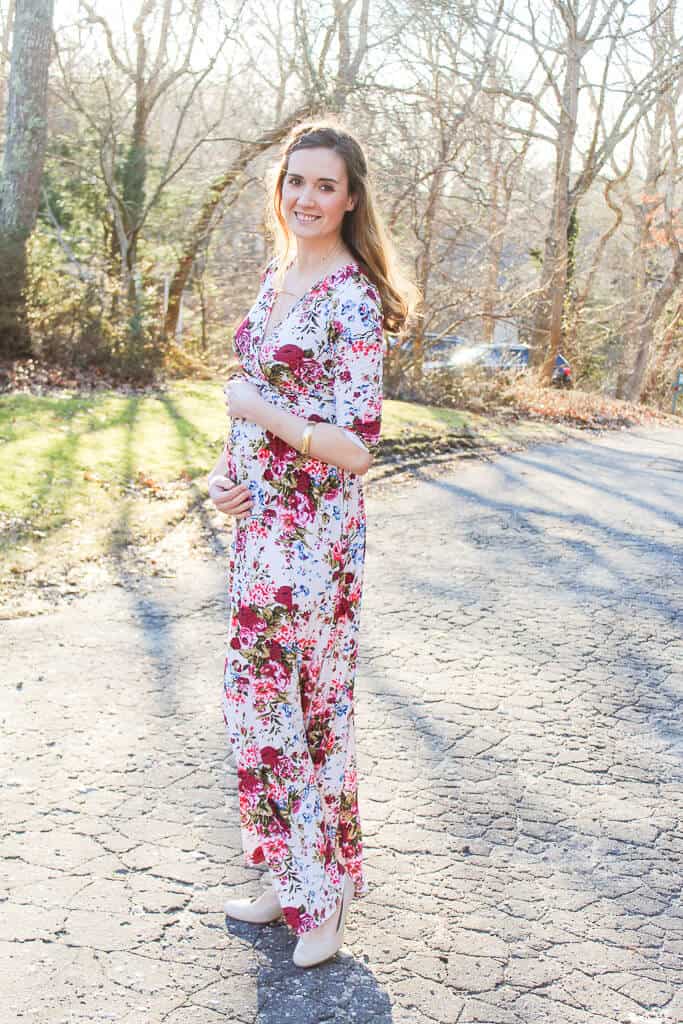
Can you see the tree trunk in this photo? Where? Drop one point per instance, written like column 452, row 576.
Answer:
column 547, row 330
column 4, row 51
column 23, row 165
column 647, row 324
column 650, row 299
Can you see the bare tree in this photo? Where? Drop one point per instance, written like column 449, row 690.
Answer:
column 6, row 22
column 331, row 59
column 560, row 37
column 23, row 165
column 656, row 212
column 164, row 41
column 446, row 55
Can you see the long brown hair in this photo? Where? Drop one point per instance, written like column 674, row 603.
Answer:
column 362, row 231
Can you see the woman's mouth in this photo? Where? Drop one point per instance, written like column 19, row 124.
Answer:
column 305, row 218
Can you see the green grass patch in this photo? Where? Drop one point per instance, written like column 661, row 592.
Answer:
column 59, row 453
column 85, row 475
column 82, row 475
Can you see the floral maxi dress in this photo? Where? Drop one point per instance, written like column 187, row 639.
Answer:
column 295, row 587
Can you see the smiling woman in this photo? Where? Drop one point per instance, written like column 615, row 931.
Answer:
column 305, row 414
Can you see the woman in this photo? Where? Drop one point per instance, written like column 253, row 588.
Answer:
column 305, row 411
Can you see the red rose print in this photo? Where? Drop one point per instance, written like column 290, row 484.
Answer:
column 275, row 651
column 249, row 618
column 280, row 448
column 248, row 782
column 284, row 596
column 292, row 355
column 303, row 482
column 367, row 429
column 269, row 756
column 292, row 917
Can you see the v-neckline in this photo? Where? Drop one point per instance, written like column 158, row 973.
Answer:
column 273, row 300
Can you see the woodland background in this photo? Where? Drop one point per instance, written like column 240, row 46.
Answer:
column 525, row 153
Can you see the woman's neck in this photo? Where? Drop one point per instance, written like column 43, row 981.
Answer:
column 313, row 257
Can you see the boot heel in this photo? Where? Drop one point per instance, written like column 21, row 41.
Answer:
column 321, row 943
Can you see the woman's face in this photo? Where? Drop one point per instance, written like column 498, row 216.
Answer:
column 315, row 193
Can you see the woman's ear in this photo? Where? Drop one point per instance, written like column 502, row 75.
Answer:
column 351, row 204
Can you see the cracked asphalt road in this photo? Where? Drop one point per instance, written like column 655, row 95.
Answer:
column 520, row 756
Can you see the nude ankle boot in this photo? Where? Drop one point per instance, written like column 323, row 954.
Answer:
column 323, row 942
column 261, row 910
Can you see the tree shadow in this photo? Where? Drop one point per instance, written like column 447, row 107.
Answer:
column 185, row 430
column 632, row 689
column 59, row 462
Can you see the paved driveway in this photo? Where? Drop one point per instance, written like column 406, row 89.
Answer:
column 520, row 750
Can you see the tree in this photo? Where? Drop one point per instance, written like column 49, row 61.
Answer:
column 658, row 218
column 560, row 37
column 23, row 165
column 327, row 78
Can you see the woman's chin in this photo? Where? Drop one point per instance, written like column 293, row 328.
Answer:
column 305, row 230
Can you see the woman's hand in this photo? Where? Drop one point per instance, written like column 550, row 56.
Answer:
column 229, row 497
column 241, row 398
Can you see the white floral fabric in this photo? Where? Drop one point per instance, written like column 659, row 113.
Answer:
column 295, row 589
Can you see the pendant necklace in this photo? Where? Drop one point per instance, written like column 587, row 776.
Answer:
column 277, row 292
column 283, row 291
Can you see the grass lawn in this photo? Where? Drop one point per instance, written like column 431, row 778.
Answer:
column 90, row 481
column 83, row 475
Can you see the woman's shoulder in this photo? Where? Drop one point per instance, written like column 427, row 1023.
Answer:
column 354, row 284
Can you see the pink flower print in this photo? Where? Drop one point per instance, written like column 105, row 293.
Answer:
column 276, row 848
column 266, row 690
column 286, row 767
column 250, row 756
column 305, row 509
column 338, row 552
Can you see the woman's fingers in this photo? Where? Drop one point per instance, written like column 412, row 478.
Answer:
column 229, row 497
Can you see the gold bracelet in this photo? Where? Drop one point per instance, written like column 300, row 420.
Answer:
column 306, row 438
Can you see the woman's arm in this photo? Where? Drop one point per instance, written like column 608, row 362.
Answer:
column 358, row 344
column 329, row 443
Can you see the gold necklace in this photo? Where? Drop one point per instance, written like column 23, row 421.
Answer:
column 283, row 291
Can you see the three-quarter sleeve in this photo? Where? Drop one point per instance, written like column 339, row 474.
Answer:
column 359, row 353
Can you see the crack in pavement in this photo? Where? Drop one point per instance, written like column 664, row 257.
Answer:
column 520, row 763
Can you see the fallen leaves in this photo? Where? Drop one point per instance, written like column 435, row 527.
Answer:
column 581, row 408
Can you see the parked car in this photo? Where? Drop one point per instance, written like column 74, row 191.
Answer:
column 442, row 353
column 453, row 352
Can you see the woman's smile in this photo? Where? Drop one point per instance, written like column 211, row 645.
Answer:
column 306, row 218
